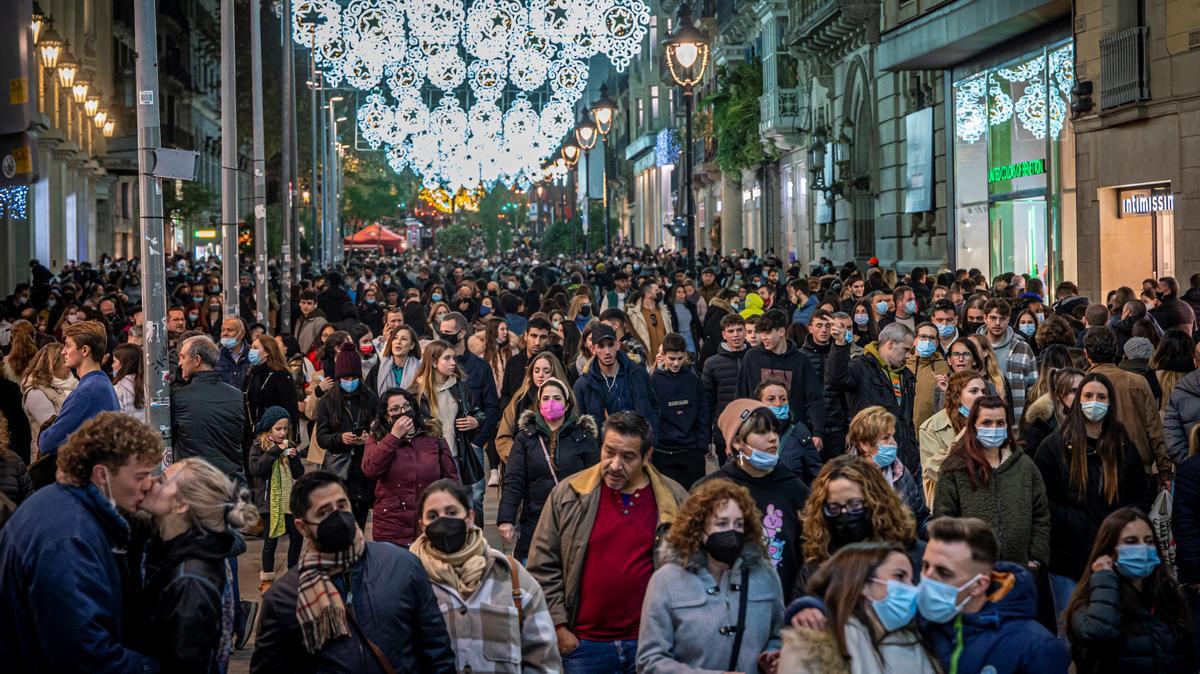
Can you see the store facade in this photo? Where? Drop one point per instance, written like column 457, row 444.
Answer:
column 1013, row 159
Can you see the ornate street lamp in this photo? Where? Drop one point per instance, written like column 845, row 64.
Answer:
column 570, row 154
column 109, row 127
column 585, row 131
column 50, row 46
column 67, row 68
column 100, row 118
column 91, row 106
column 687, row 58
column 39, row 22
column 604, row 110
column 586, row 137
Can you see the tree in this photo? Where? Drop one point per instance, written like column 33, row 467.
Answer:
column 184, row 201
column 736, row 115
column 454, row 240
column 372, row 191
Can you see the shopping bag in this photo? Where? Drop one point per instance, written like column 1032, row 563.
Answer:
column 1160, row 521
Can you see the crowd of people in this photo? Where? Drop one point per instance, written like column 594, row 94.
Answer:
column 756, row 467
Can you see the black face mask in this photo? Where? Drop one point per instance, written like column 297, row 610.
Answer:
column 849, row 527
column 450, row 338
column 725, row 546
column 447, row 534
column 585, row 310
column 336, row 533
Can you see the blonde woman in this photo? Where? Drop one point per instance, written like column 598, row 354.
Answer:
column 186, row 618
column 22, row 349
column 544, row 366
column 46, row 385
column 580, row 311
column 872, row 435
column 940, row 431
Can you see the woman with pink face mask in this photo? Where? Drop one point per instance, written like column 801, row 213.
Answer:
column 552, row 442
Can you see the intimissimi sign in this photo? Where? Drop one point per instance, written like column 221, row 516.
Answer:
column 1146, row 202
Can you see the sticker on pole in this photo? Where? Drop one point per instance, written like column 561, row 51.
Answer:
column 260, row 211
column 146, row 97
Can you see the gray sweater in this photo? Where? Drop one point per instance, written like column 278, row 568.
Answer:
column 685, row 609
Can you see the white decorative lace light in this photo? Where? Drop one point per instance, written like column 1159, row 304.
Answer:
column 1039, row 108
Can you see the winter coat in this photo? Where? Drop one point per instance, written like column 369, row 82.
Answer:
column 1004, row 636
column 14, row 477
column 127, row 395
column 780, row 497
column 809, row 652
column 805, row 395
column 560, row 541
column 232, row 369
column 208, row 418
column 528, row 478
column 685, row 613
column 937, row 437
column 64, row 583
column 484, row 629
column 1074, row 522
column 1185, row 521
column 381, row 380
column 307, row 330
column 1183, row 411
column 590, row 391
column 637, row 321
column 262, row 465
column 507, row 431
column 480, row 381
column 183, row 601
column 266, row 388
column 403, row 469
column 394, row 605
column 94, row 394
column 337, row 413
column 1020, row 369
column 1174, row 313
column 336, row 304
column 371, row 315
column 1142, row 366
column 719, row 378
column 865, row 383
column 1138, row 413
column 1039, row 422
column 1013, row 502
column 926, row 371
column 1116, row 631
column 683, row 414
column 21, row 439
column 837, row 421
column 798, row 453
column 711, row 331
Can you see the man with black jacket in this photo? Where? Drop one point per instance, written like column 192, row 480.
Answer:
column 778, row 358
column 208, row 416
column 683, row 423
column 720, row 373
column 334, row 301
column 816, row 350
column 537, row 338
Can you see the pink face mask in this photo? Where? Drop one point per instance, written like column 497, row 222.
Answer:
column 553, row 410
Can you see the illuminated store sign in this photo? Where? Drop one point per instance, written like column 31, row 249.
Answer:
column 1019, row 170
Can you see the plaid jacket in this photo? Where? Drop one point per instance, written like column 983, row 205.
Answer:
column 484, row 630
column 1022, row 374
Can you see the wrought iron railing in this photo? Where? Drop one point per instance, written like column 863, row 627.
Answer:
column 1124, row 71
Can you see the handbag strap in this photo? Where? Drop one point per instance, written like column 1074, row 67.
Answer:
column 516, row 589
column 375, row 650
column 741, row 620
column 549, row 461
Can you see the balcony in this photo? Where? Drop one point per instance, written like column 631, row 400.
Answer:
column 783, row 116
column 1124, row 71
column 829, row 29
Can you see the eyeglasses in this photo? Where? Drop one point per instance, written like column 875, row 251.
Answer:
column 961, row 355
column 853, row 506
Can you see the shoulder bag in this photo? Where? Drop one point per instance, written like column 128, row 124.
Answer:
column 740, row 628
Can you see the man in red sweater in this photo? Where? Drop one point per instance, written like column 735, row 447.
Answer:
column 593, row 550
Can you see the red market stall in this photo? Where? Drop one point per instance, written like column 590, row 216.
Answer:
column 377, row 235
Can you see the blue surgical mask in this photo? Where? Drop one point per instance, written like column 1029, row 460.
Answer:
column 945, row 331
column 370, row 300
column 910, row 307
column 1094, row 410
column 850, row 336
column 926, row 347
column 761, row 460
column 881, row 307
column 1041, row 318
column 1027, row 329
column 992, row 437
column 782, row 412
column 964, row 410
column 899, row 607
column 229, row 342
column 484, row 310
column 436, row 297
column 348, row 385
column 885, row 455
column 253, row 356
column 1137, row 561
column 861, row 319
column 937, row 600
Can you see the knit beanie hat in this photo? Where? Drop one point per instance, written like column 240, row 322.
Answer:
column 734, row 415
column 272, row 415
column 348, row 363
column 1139, row 348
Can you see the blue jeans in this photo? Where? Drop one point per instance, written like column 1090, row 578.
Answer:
column 1061, row 588
column 477, row 489
column 602, row 657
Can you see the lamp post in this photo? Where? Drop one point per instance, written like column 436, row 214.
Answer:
column 603, row 111
column 585, row 136
column 687, row 58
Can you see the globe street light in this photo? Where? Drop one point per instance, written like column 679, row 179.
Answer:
column 604, row 110
column 570, row 154
column 687, row 58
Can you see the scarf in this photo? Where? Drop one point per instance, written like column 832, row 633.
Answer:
column 279, row 495
column 320, row 609
column 462, row 570
column 892, row 373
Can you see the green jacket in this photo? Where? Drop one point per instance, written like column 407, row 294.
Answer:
column 1013, row 502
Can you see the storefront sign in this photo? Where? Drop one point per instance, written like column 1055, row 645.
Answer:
column 1023, row 169
column 918, row 170
column 205, row 234
column 1146, row 202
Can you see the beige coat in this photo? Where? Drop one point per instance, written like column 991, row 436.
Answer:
column 901, row 652
column 1137, row 411
column 927, row 370
column 637, row 321
column 936, row 437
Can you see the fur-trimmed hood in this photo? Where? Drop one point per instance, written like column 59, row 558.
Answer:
column 532, row 423
column 1041, row 409
column 806, row 650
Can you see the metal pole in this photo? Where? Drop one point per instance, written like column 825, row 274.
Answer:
column 326, row 228
column 607, row 233
column 335, row 180
column 156, row 364
column 229, row 163
column 286, row 176
column 587, row 203
column 259, row 177
column 315, row 225
column 689, row 200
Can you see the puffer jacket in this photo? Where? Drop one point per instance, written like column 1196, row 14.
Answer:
column 798, row 453
column 1038, row 424
column 865, row 383
column 14, row 477
column 590, row 391
column 1183, row 411
column 208, row 418
column 683, row 420
column 807, row 651
column 837, row 421
column 1185, row 520
column 1075, row 521
column 404, row 468
column 528, row 478
column 720, row 379
column 340, row 412
column 1013, row 502
column 1117, row 632
column 686, row 610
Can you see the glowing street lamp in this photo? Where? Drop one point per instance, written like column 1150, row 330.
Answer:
column 604, row 110
column 687, row 57
column 91, row 106
column 51, row 46
column 67, row 68
column 100, row 118
column 79, row 90
column 570, row 153
column 585, row 132
column 109, row 127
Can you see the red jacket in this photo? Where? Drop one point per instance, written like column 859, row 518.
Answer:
column 403, row 468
